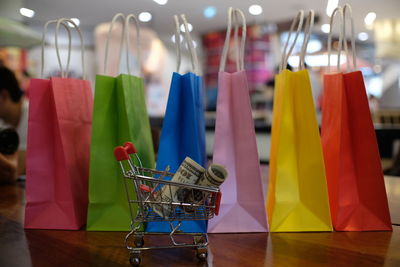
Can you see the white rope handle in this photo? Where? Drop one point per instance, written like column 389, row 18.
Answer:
column 44, row 42
column 82, row 45
column 307, row 34
column 347, row 9
column 189, row 41
column 128, row 45
column 285, row 56
column 115, row 18
column 234, row 14
column 177, row 43
column 240, row 15
column 335, row 11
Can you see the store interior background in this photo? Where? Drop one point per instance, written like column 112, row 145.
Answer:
column 377, row 27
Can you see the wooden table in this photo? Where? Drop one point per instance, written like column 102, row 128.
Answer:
column 19, row 247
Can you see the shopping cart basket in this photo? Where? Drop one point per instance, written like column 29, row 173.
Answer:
column 143, row 190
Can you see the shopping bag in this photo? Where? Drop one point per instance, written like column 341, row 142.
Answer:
column 59, row 128
column 183, row 131
column 119, row 115
column 356, row 186
column 242, row 204
column 297, row 194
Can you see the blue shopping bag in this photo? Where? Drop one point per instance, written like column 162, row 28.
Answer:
column 183, row 132
column 182, row 135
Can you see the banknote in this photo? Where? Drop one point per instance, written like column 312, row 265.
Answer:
column 188, row 172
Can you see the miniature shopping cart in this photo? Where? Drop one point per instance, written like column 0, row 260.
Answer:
column 143, row 189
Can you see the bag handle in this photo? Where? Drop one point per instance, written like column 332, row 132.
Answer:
column 127, row 22
column 69, row 49
column 348, row 10
column 115, row 18
column 307, row 35
column 234, row 14
column 285, row 55
column 177, row 43
column 335, row 11
column 189, row 42
column 44, row 41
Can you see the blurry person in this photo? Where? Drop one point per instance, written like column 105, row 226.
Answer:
column 24, row 79
column 13, row 114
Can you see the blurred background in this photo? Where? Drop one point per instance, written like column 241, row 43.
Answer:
column 377, row 33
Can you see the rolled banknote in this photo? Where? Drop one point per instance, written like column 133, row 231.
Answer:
column 188, row 172
column 213, row 177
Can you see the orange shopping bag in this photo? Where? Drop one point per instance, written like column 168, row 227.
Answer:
column 356, row 186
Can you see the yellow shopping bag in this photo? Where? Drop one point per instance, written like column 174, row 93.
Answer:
column 297, row 193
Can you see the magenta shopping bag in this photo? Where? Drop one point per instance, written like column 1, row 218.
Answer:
column 242, row 204
column 59, row 128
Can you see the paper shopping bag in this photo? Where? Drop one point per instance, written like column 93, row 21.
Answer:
column 59, row 128
column 355, row 179
column 183, row 131
column 119, row 115
column 242, row 204
column 297, row 193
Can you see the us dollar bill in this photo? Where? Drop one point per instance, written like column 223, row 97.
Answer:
column 188, row 172
column 213, row 177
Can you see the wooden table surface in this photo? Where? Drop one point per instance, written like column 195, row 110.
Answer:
column 19, row 247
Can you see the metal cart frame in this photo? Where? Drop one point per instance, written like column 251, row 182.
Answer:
column 196, row 203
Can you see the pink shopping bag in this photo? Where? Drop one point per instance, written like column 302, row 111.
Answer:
column 242, row 204
column 59, row 128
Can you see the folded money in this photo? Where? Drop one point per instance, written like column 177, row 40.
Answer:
column 189, row 172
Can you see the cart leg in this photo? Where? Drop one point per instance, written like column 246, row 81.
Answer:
column 134, row 258
column 139, row 240
column 201, row 253
column 201, row 249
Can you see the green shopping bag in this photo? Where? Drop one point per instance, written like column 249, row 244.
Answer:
column 119, row 115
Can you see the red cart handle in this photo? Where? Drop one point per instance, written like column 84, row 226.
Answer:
column 120, row 153
column 130, row 148
column 217, row 203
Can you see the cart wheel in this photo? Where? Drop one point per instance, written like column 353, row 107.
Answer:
column 202, row 256
column 135, row 259
column 139, row 241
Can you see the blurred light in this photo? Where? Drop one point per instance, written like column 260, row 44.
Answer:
column 363, row 36
column 325, row 28
column 156, row 51
column 370, row 18
column 161, row 2
column 75, row 20
column 375, row 86
column 145, row 16
column 210, row 12
column 190, row 27
column 255, row 10
column 314, row 45
column 26, row 12
column 332, row 4
column 173, row 38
